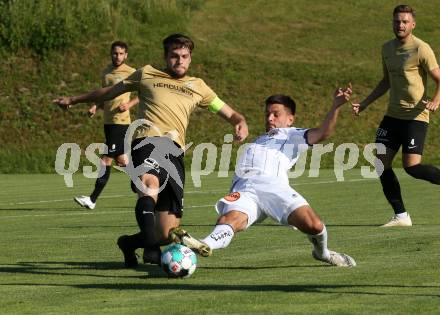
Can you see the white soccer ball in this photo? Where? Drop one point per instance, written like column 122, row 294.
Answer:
column 178, row 261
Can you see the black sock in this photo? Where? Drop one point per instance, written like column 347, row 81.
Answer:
column 425, row 172
column 146, row 219
column 136, row 241
column 100, row 184
column 391, row 189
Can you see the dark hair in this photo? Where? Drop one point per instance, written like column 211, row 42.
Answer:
column 287, row 101
column 119, row 43
column 404, row 8
column 177, row 41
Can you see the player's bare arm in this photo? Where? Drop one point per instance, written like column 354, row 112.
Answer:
column 433, row 105
column 340, row 97
column 382, row 87
column 235, row 119
column 126, row 106
column 99, row 95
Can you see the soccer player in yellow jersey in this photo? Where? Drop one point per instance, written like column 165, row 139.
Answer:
column 407, row 62
column 116, row 120
column 166, row 100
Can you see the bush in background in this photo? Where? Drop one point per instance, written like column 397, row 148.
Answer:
column 45, row 25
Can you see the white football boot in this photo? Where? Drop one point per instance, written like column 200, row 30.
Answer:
column 396, row 221
column 336, row 259
column 181, row 236
column 84, row 201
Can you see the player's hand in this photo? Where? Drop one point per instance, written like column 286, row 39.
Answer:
column 64, row 102
column 431, row 105
column 342, row 95
column 241, row 131
column 123, row 107
column 92, row 111
column 356, row 108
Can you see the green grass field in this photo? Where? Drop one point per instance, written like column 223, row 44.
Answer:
column 56, row 258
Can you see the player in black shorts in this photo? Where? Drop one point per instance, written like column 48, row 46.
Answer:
column 116, row 120
column 410, row 134
column 407, row 62
column 167, row 97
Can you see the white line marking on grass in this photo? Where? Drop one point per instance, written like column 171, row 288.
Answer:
column 85, row 212
column 186, row 192
column 55, row 200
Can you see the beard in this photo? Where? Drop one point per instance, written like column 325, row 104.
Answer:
column 176, row 75
column 117, row 63
column 401, row 35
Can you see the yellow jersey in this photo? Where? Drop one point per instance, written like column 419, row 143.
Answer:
column 168, row 102
column 407, row 66
column 112, row 76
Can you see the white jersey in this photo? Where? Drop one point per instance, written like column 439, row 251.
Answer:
column 272, row 154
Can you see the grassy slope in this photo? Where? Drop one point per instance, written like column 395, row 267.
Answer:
column 245, row 50
column 56, row 258
column 304, row 50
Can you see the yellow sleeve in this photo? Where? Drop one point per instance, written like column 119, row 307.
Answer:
column 133, row 80
column 208, row 95
column 427, row 58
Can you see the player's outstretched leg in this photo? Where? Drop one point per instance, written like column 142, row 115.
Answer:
column 179, row 235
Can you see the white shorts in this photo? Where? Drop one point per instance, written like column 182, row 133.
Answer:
column 260, row 198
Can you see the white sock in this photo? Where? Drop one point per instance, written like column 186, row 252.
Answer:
column 402, row 215
column 319, row 242
column 220, row 237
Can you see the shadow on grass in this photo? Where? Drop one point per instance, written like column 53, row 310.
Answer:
column 250, row 267
column 56, row 268
column 93, row 269
column 72, row 269
column 95, row 226
column 173, row 285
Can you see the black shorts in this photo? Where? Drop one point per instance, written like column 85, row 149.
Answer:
column 410, row 134
column 162, row 157
column 114, row 139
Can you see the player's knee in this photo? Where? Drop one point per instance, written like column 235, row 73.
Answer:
column 149, row 186
column 306, row 220
column 122, row 161
column 236, row 219
column 314, row 227
column 150, row 181
column 106, row 161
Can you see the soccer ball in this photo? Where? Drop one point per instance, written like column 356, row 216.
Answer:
column 178, row 261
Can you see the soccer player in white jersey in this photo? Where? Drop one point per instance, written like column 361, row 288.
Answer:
column 261, row 189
